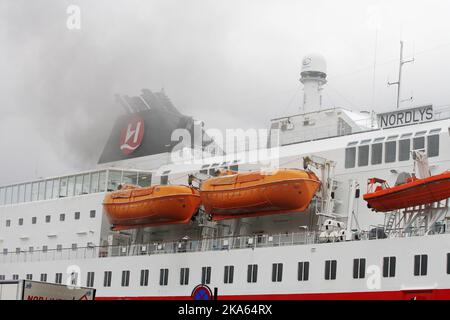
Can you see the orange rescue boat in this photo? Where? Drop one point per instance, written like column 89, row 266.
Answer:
column 414, row 192
column 137, row 207
column 236, row 195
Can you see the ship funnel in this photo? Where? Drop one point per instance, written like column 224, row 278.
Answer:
column 313, row 77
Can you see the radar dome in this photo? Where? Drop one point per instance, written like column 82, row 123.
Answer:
column 314, row 63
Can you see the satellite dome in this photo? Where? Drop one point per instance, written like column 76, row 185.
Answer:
column 314, row 63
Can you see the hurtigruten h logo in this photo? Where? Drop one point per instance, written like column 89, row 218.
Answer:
column 132, row 135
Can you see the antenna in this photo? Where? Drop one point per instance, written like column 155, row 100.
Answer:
column 398, row 83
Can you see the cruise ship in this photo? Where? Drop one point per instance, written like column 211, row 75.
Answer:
column 59, row 229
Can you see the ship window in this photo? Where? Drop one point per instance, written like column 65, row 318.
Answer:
column 419, row 143
column 107, row 279
column 47, row 219
column 359, row 268
column 163, row 277
column 204, row 171
column 130, row 177
column 5, row 251
column 55, row 192
column 184, row 276
column 2, row 196
column 86, row 184
column 433, row 146
column 164, row 180
column 27, row 196
column 31, row 249
column 74, row 246
column 34, row 191
column 404, row 150
column 303, row 271
column 391, row 151
column 350, row 158
column 2, row 277
column 228, row 274
column 114, row 180
column 206, row 275
column 144, row 278
column 363, row 156
column 62, row 217
column 59, row 247
column 77, row 215
column 420, row 265
column 44, row 248
column 92, row 214
column 70, row 186
column 389, row 264
column 102, row 181
column 17, row 250
column 377, row 153
column 448, row 262
column 48, row 189
column 20, row 221
column 125, row 278
column 205, row 166
column 144, row 179
column 21, row 193
column 33, row 220
column 94, row 183
column 42, row 190
column 330, row 269
column 90, row 279
column 8, row 195
column 63, row 187
column 29, row 276
column 78, row 185
column 252, row 273
column 8, row 223
column 15, row 277
column 43, row 277
column 58, row 278
column 234, row 168
column 277, row 272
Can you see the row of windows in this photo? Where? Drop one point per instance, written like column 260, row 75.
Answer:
column 373, row 150
column 59, row 247
column 62, row 217
column 93, row 182
column 359, row 272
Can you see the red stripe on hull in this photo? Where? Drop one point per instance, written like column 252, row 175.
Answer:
column 433, row 294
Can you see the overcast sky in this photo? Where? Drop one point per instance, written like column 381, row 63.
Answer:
column 230, row 63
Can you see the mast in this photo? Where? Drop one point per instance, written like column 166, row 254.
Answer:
column 398, row 83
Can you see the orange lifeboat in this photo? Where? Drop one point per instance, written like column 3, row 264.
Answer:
column 414, row 192
column 237, row 195
column 136, row 207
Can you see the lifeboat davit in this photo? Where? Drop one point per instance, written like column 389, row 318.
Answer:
column 414, row 192
column 136, row 207
column 236, row 195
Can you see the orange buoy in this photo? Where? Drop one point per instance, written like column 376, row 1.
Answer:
column 136, row 207
column 237, row 195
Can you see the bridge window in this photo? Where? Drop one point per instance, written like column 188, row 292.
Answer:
column 303, row 271
column 27, row 192
column 71, row 186
column 389, row 264
column 184, row 276
column 163, row 277
column 377, row 153
column 404, row 150
column 433, row 146
column 114, row 180
column 164, row 180
column 391, row 151
column 252, row 273
column 86, row 184
column 102, row 181
column 48, row 189
column 130, row 177
column 144, row 179
column 420, row 265
column 42, row 190
column 330, row 269
column 277, row 272
column 206, row 275
column 350, row 158
column 363, row 156
column 228, row 274
column 2, row 196
column 55, row 192
column 359, row 268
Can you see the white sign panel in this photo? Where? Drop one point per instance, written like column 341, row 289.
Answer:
column 405, row 116
column 47, row 291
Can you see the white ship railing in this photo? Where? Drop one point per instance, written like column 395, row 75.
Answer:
column 198, row 245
